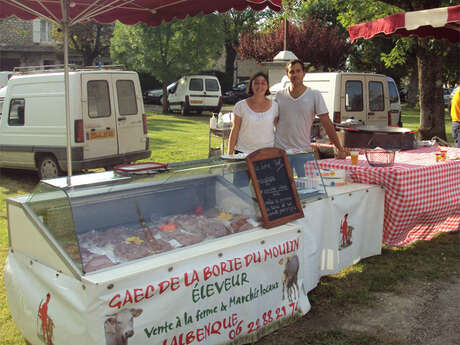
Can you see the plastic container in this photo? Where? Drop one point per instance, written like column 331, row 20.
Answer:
column 213, row 121
column 220, row 121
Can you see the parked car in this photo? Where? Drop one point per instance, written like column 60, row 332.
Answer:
column 446, row 96
column 372, row 99
column 236, row 93
column 195, row 93
column 107, row 120
column 155, row 96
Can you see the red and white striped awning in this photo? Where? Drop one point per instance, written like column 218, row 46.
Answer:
column 151, row 12
column 439, row 23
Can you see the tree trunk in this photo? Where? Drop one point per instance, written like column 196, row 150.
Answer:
column 412, row 87
column 430, row 88
column 230, row 56
column 165, row 98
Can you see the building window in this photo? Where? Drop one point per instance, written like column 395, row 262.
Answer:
column 41, row 31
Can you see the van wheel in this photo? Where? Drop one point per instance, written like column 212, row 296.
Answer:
column 48, row 167
column 183, row 110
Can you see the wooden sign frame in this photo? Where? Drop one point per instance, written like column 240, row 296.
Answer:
column 266, row 154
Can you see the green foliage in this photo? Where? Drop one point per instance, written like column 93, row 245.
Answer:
column 170, row 49
column 398, row 55
column 90, row 39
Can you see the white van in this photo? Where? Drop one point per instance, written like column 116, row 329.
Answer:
column 372, row 99
column 196, row 93
column 108, row 124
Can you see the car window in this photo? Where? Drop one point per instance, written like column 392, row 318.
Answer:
column 126, row 94
column 212, row 85
column 353, row 95
column 16, row 114
column 394, row 97
column 196, row 84
column 1, row 107
column 98, row 98
column 376, row 99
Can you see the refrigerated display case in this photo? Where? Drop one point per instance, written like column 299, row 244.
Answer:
column 104, row 221
column 107, row 246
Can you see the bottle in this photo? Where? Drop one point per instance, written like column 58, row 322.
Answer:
column 213, row 121
column 220, row 121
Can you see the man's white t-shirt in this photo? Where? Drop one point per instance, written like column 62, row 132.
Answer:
column 293, row 130
column 257, row 129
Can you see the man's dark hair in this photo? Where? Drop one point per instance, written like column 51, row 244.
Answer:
column 293, row 62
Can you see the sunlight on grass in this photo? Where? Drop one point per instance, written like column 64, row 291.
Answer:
column 411, row 119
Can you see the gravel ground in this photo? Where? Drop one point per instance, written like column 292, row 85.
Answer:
column 422, row 314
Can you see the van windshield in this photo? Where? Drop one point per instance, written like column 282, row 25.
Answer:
column 212, row 85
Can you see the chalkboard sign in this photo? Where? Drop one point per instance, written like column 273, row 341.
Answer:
column 274, row 186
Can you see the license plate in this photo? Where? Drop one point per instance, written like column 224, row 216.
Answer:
column 196, row 102
column 101, row 134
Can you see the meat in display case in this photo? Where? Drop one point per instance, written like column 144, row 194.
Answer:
column 104, row 220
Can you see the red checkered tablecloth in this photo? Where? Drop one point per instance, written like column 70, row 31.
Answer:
column 422, row 197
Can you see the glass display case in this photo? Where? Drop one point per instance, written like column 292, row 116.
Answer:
column 101, row 220
column 105, row 219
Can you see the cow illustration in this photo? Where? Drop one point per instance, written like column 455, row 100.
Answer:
column 119, row 326
column 47, row 324
column 290, row 286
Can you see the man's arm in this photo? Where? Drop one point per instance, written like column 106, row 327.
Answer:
column 330, row 131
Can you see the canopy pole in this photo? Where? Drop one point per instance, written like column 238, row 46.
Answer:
column 65, row 28
column 285, row 34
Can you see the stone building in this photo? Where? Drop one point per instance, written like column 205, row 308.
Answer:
column 27, row 43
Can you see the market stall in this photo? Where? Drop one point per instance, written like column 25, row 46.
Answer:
column 422, row 196
column 170, row 258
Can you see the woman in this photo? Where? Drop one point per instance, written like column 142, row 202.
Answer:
column 254, row 121
column 254, row 118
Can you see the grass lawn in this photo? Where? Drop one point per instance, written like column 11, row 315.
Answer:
column 175, row 138
column 411, row 119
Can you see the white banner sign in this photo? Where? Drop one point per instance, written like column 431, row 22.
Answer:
column 229, row 296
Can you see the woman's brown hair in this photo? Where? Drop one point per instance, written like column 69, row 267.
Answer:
column 258, row 74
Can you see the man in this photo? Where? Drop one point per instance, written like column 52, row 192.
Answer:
column 455, row 114
column 298, row 106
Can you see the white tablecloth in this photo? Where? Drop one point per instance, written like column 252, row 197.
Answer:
column 328, row 248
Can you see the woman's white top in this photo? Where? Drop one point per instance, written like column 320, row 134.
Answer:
column 257, row 129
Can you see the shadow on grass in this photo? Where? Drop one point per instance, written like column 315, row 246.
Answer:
column 18, row 181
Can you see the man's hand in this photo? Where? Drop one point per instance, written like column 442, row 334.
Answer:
column 341, row 154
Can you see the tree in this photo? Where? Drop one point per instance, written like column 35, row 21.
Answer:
column 324, row 46
column 429, row 56
column 91, row 39
column 169, row 50
column 233, row 24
